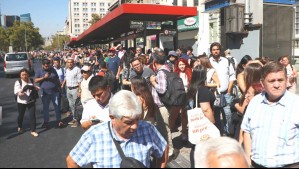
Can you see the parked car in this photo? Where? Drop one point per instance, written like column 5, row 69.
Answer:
column 14, row 62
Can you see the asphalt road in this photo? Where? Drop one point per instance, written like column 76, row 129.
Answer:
column 49, row 150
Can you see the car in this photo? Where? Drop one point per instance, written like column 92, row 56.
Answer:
column 14, row 62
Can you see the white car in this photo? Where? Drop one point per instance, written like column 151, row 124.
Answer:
column 14, row 62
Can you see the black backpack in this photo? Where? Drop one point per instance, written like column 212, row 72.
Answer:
column 175, row 94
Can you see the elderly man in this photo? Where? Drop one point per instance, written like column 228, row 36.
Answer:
column 271, row 122
column 220, row 152
column 72, row 81
column 137, row 138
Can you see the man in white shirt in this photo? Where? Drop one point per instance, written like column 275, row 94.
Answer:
column 97, row 109
column 84, row 92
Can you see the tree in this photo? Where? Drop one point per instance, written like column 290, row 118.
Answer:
column 23, row 35
column 4, row 40
column 59, row 40
column 95, row 18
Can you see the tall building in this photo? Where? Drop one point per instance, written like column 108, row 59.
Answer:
column 25, row 17
column 10, row 19
column 80, row 13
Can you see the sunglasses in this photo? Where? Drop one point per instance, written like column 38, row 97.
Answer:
column 82, row 71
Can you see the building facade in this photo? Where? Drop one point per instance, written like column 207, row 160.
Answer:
column 10, row 19
column 25, row 17
column 80, row 14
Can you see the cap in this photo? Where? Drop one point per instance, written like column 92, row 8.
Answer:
column 85, row 68
column 173, row 53
column 112, row 49
column 227, row 51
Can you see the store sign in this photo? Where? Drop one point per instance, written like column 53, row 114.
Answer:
column 190, row 23
column 136, row 25
column 153, row 25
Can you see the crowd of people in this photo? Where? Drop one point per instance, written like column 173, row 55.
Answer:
column 124, row 90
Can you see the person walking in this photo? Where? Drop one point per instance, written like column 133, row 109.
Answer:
column 226, row 74
column 24, row 102
column 72, row 81
column 271, row 122
column 138, row 139
column 49, row 82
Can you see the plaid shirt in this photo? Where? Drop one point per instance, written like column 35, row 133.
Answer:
column 161, row 87
column 97, row 148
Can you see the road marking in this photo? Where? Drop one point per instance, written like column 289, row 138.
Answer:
column 0, row 115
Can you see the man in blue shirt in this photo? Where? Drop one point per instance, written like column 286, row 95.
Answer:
column 271, row 122
column 51, row 88
column 137, row 138
column 114, row 66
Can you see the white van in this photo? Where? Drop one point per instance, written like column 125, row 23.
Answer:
column 14, row 62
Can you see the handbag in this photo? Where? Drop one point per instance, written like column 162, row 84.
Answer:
column 126, row 162
column 220, row 99
column 200, row 127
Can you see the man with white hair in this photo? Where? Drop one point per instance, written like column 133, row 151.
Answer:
column 221, row 152
column 137, row 138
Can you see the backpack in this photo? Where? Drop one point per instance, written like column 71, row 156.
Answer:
column 232, row 61
column 33, row 95
column 175, row 94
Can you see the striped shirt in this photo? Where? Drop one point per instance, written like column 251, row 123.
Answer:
column 225, row 72
column 73, row 77
column 274, row 130
column 97, row 148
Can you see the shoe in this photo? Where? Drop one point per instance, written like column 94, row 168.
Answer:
column 72, row 122
column 20, row 130
column 34, row 134
column 75, row 124
column 174, row 155
column 45, row 125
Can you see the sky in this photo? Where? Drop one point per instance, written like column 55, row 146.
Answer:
column 48, row 15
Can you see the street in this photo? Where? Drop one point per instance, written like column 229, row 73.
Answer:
column 49, row 149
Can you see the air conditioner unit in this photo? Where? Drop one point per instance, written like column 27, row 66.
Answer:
column 234, row 19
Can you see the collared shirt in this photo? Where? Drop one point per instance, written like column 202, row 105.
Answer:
column 274, row 130
column 96, row 146
column 48, row 85
column 225, row 72
column 161, row 86
column 85, row 93
column 93, row 108
column 73, row 77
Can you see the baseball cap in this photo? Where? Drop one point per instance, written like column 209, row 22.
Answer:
column 112, row 49
column 173, row 53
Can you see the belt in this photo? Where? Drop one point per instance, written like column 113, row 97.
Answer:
column 71, row 88
column 294, row 165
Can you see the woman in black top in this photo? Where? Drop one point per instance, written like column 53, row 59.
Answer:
column 205, row 97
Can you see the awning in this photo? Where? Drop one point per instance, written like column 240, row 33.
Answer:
column 73, row 42
column 117, row 22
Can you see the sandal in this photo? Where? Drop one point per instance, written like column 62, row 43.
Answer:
column 34, row 134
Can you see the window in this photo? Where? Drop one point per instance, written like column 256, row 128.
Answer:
column 76, row 3
column 102, row 10
column 102, row 4
column 93, row 9
column 77, row 20
column 93, row 4
column 84, row 4
column 85, row 15
column 16, row 57
column 76, row 14
column 195, row 2
column 184, row 2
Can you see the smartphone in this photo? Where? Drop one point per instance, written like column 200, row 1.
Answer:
column 96, row 120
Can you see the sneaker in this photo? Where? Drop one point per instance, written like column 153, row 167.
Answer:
column 75, row 124
column 72, row 122
column 20, row 130
column 45, row 125
column 34, row 134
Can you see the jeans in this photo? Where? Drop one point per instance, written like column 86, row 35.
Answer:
column 223, row 123
column 46, row 99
